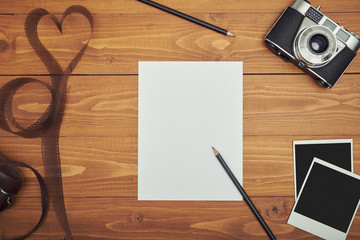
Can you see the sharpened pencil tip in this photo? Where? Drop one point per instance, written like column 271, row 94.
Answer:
column 230, row 34
column 215, row 152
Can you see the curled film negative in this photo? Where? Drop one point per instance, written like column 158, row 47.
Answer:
column 48, row 125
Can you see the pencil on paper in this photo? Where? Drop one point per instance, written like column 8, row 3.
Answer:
column 243, row 193
column 187, row 17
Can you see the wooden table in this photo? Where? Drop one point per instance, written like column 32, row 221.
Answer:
column 98, row 138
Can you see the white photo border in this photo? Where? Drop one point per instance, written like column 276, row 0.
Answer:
column 325, row 141
column 312, row 226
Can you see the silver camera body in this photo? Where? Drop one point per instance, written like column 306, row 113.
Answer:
column 313, row 42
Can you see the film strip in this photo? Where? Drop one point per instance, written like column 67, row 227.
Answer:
column 48, row 125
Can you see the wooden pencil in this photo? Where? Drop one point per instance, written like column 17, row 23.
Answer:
column 187, row 17
column 243, row 193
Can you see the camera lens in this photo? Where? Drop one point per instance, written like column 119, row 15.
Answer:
column 315, row 46
column 318, row 43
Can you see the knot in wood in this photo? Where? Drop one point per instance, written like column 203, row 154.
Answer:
column 3, row 45
column 109, row 59
column 275, row 211
column 136, row 218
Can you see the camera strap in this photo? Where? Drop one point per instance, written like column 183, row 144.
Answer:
column 48, row 125
column 44, row 199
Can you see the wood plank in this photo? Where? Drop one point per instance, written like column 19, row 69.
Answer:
column 107, row 166
column 188, row 6
column 273, row 105
column 98, row 143
column 104, row 218
column 292, row 105
column 118, row 45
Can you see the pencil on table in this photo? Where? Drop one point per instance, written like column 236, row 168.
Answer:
column 187, row 17
column 243, row 193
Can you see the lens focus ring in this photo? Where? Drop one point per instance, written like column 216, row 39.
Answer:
column 315, row 45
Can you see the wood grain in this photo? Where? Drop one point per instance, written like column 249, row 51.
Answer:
column 98, row 137
column 107, row 166
column 120, row 41
column 273, row 105
column 166, row 220
column 188, row 6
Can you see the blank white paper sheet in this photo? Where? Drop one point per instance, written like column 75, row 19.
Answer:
column 185, row 108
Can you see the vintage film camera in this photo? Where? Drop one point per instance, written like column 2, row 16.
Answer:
column 313, row 42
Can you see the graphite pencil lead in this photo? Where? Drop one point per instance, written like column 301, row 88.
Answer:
column 215, row 152
column 230, row 34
